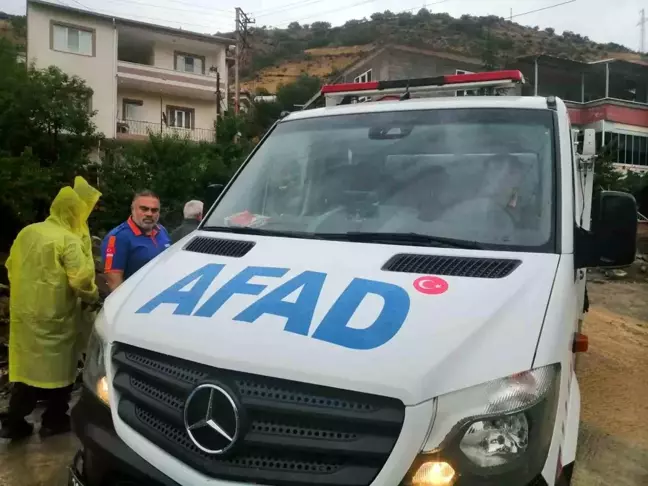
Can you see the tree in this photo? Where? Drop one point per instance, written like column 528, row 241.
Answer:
column 298, row 92
column 489, row 56
column 46, row 134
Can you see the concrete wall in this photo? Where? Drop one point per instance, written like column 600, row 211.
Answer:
column 151, row 107
column 394, row 64
column 98, row 71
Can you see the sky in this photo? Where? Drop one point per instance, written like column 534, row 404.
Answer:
column 600, row 20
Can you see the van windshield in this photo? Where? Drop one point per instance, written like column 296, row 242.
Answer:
column 483, row 177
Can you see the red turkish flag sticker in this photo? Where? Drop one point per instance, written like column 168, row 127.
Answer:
column 431, row 285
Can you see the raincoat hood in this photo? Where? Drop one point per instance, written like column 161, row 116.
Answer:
column 68, row 210
column 88, row 194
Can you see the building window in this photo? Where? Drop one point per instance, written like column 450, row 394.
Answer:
column 464, row 92
column 363, row 78
column 628, row 149
column 132, row 109
column 72, row 39
column 189, row 63
column 179, row 117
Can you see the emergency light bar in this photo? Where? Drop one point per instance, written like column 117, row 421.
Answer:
column 335, row 93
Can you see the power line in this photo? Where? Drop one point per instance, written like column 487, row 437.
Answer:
column 356, row 5
column 79, row 3
column 265, row 13
column 541, row 9
column 164, row 7
column 209, row 28
column 155, row 19
column 326, row 12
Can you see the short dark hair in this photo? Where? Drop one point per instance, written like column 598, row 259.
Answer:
column 145, row 193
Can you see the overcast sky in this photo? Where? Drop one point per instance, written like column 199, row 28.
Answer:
column 601, row 20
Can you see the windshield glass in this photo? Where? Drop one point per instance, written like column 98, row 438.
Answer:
column 483, row 176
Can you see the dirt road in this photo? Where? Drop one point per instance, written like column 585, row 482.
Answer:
column 613, row 377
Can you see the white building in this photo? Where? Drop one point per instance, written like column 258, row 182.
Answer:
column 146, row 78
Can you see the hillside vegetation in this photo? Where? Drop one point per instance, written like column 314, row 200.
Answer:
column 279, row 56
column 277, row 53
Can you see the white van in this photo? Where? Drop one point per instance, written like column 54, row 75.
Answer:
column 385, row 294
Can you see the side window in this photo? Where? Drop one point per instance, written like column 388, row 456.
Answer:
column 180, row 117
column 189, row 63
column 132, row 109
column 72, row 39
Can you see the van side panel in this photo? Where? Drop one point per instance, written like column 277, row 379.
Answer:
column 555, row 346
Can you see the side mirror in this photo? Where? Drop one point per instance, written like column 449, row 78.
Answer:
column 612, row 241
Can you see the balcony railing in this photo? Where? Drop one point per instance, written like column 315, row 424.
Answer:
column 138, row 130
column 155, row 73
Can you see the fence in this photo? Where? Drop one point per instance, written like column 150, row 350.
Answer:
column 136, row 129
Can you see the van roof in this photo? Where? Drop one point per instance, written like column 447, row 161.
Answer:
column 438, row 103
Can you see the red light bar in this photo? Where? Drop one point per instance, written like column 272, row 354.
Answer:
column 515, row 76
column 344, row 87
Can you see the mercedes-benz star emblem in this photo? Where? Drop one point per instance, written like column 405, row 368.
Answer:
column 211, row 418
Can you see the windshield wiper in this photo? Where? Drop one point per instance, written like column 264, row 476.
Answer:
column 415, row 239
column 242, row 230
column 402, row 239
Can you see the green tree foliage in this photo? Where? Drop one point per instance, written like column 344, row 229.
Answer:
column 45, row 135
column 436, row 31
column 298, row 92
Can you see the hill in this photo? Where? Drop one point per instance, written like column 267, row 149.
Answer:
column 280, row 55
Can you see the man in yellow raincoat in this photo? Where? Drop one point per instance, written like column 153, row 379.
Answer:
column 50, row 276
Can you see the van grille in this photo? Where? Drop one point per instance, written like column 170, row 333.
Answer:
column 219, row 246
column 451, row 266
column 294, row 433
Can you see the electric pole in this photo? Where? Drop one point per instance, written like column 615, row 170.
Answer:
column 642, row 26
column 242, row 22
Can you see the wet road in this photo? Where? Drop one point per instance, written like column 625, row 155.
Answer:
column 602, row 460
column 36, row 462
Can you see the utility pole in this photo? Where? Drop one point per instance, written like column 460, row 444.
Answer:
column 642, row 26
column 511, row 15
column 218, row 95
column 242, row 22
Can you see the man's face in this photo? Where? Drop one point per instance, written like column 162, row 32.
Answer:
column 146, row 212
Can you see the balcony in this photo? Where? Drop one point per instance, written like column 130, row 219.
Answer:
column 141, row 130
column 143, row 77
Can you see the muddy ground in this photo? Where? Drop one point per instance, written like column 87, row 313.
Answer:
column 613, row 376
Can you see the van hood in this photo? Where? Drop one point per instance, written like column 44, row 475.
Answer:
column 326, row 312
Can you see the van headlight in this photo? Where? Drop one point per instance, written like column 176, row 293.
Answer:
column 498, row 432
column 94, row 370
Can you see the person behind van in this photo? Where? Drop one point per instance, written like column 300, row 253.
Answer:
column 135, row 242
column 193, row 213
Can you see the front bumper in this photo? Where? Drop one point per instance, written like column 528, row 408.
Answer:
column 104, row 459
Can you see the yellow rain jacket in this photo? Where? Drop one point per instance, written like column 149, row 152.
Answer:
column 90, row 196
column 49, row 274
